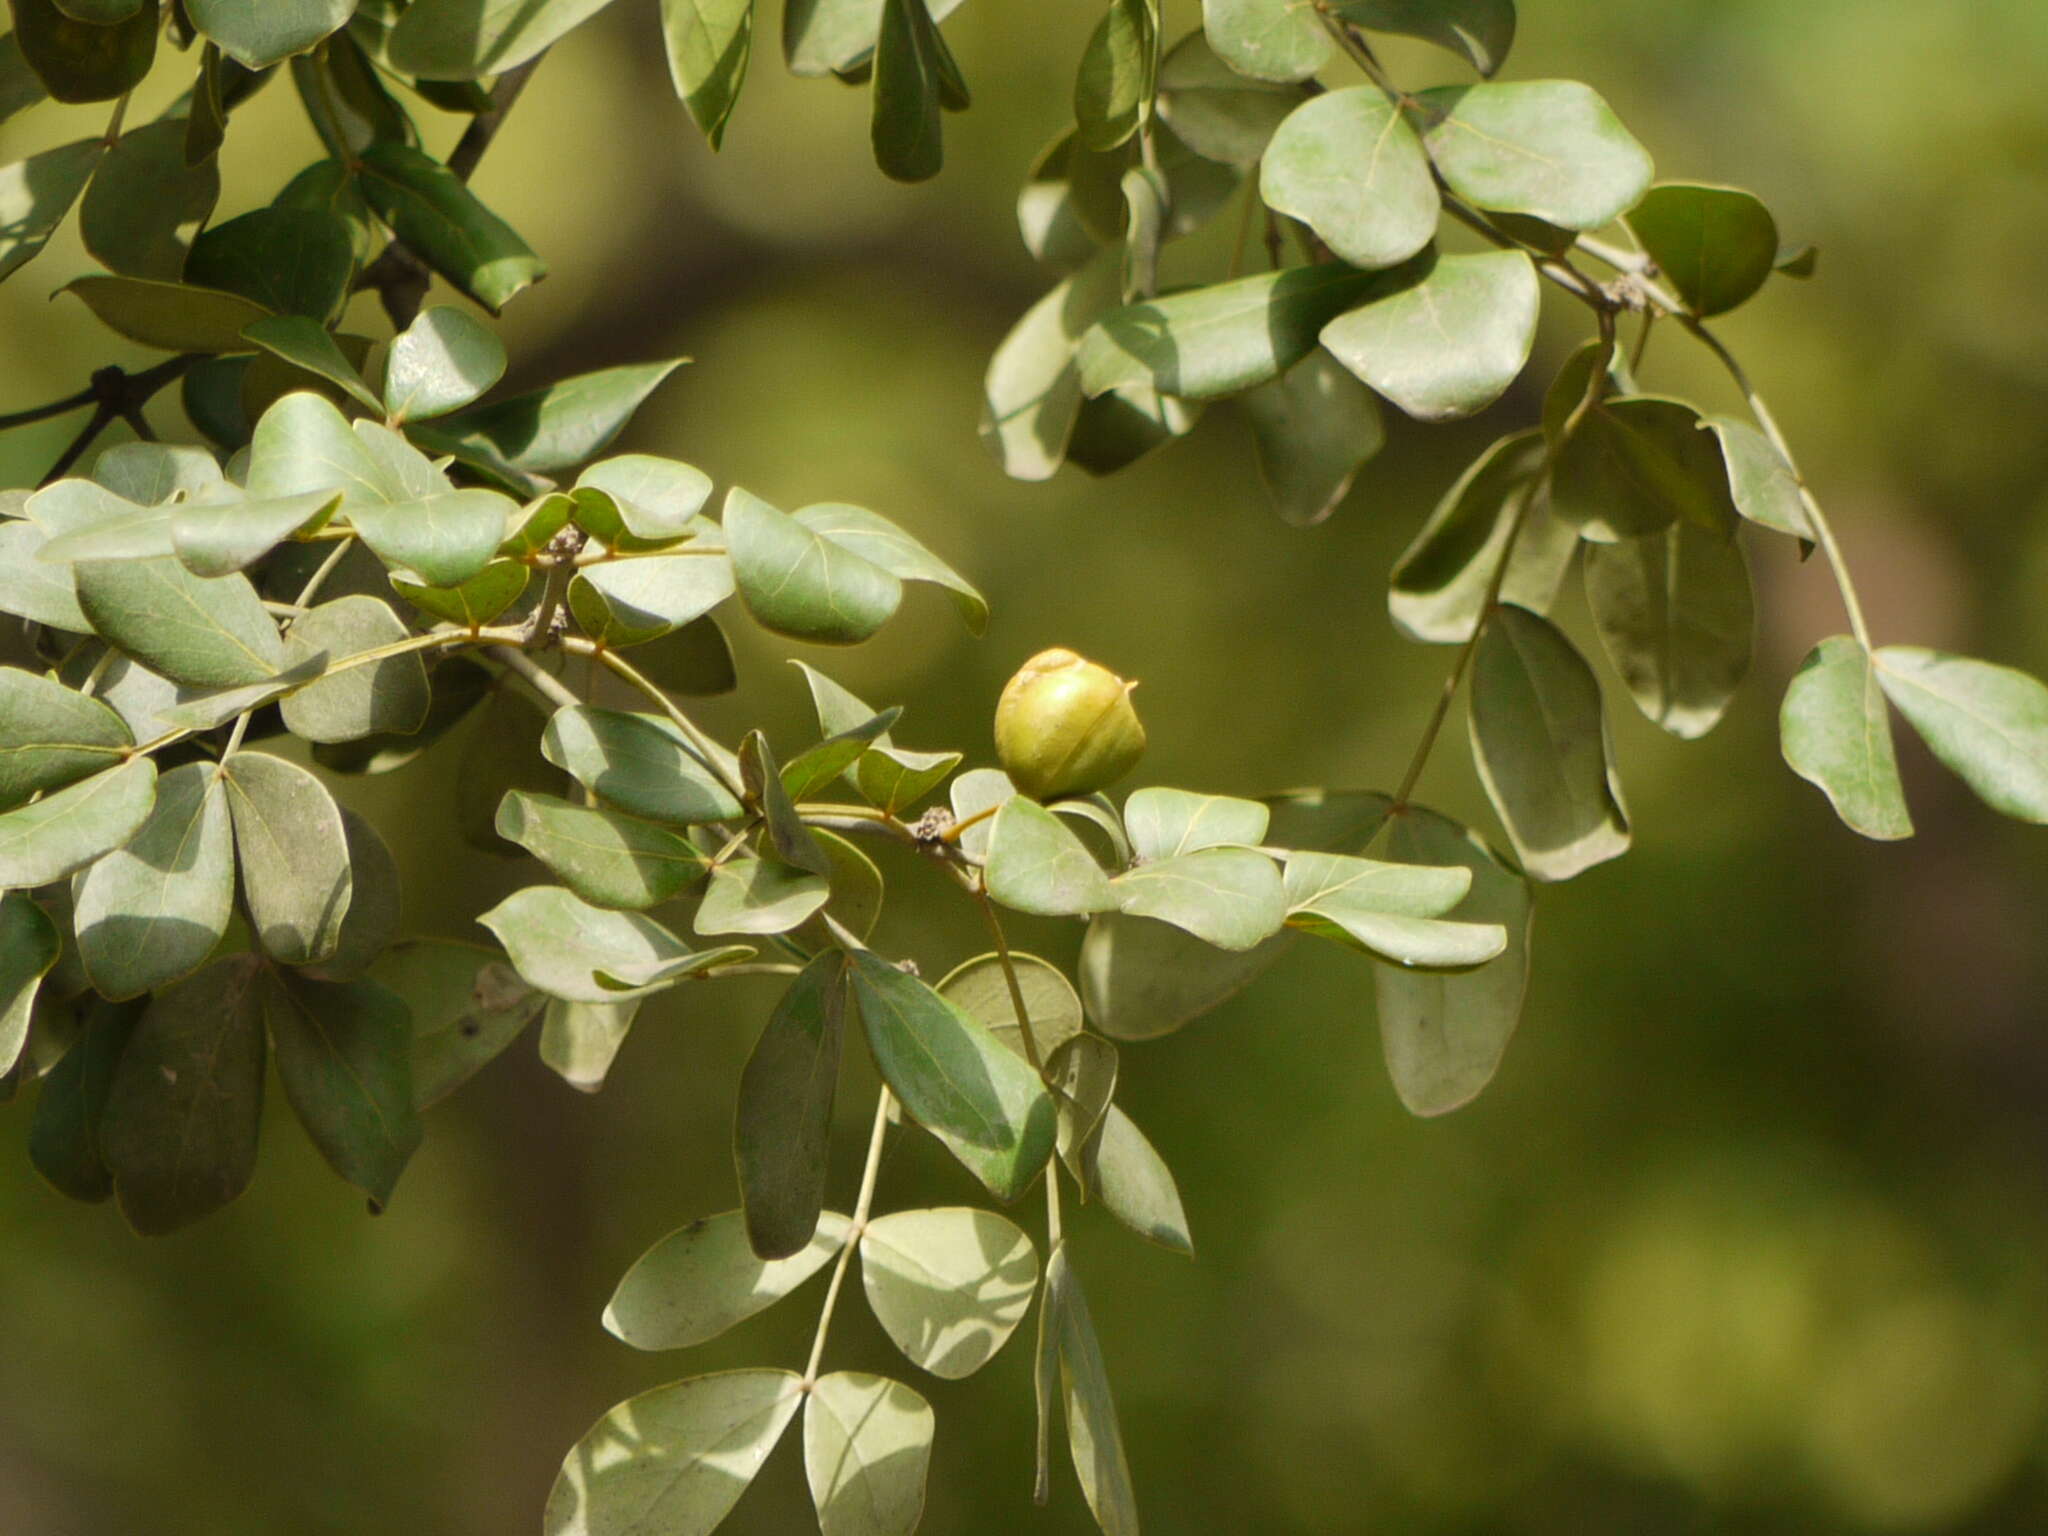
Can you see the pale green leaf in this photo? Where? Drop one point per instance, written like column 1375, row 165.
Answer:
column 867, row 1446
column 1229, row 897
column 948, row 1285
column 1836, row 733
column 29, row 946
column 443, row 361
column 1988, row 724
column 1266, row 39
column 1675, row 614
column 701, row 1280
column 760, row 896
column 293, row 850
column 1549, row 148
column 1451, row 342
column 797, row 582
column 1036, row 865
column 608, row 859
column 1166, row 822
column 68, row 829
column 210, row 632
column 391, row 695
column 1348, row 164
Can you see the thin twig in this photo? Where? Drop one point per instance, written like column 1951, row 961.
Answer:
column 862, row 1205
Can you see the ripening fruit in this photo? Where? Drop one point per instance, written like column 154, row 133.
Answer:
column 1065, row 726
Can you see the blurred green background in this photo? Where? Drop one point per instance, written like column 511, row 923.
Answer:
column 1750, row 1233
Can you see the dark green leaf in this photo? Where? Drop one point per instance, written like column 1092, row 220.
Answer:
column 443, row 223
column 784, row 833
column 1988, row 724
column 36, row 193
column 64, row 1138
column 1349, row 165
column 258, row 33
column 1142, row 979
column 293, row 849
column 1549, row 148
column 143, row 200
column 1636, row 465
column 551, row 428
column 837, row 37
column 68, row 829
column 1714, row 245
column 1450, row 343
column 19, row 86
column 78, row 61
column 1481, row 30
column 1541, row 746
column 702, row 1279
column 1675, row 613
column 171, row 317
column 468, row 39
column 51, row 736
column 639, row 763
column 608, row 859
column 798, row 582
column 180, row 1125
column 472, row 603
column 467, row 1005
column 1113, row 92
column 1315, row 427
column 29, row 946
column 151, row 911
column 375, row 905
column 782, row 1123
column 905, row 126
column 292, row 261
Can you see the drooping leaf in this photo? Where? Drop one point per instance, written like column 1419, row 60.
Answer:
column 1093, row 1435
column 1540, row 745
column 1988, row 724
column 151, row 911
column 1349, row 165
column 867, row 1446
column 143, row 201
column 608, row 859
column 1118, row 75
column 1220, row 339
column 1444, row 1035
column 1134, row 1184
column 676, row 1459
column 179, row 1129
column 444, row 223
column 797, row 582
column 708, row 43
column 1439, row 584
column 443, row 361
column 469, row 39
column 64, row 1138
column 1836, row 733
column 552, row 428
column 702, row 1279
column 785, row 836
column 1315, row 427
column 259, row 33
column 1082, row 1076
column 908, row 69
column 51, row 736
column 640, row 763
column 467, row 1006
column 391, row 695
column 172, row 317
column 1675, row 613
column 1266, row 39
column 1218, row 112
column 1451, row 342
column 29, row 946
column 1762, row 484
column 948, row 1285
column 782, row 1122
column 36, row 194
column 580, row 1041
column 344, row 1055
column 1634, row 466
column 1036, row 865
column 293, row 849
column 69, row 828
column 1714, row 245
column 1481, row 30
column 19, row 86
column 1549, row 148
column 954, row 1076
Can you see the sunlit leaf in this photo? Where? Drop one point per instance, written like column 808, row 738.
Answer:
column 867, row 1445
column 1549, row 148
column 608, row 859
column 68, row 829
column 151, row 911
column 1451, row 342
column 701, row 1280
column 1349, row 165
column 1988, row 724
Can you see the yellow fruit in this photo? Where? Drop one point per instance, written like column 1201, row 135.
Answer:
column 1065, row 726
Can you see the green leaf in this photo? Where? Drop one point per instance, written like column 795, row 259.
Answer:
column 552, row 428
column 1315, row 426
column 1031, row 394
column 1134, row 1184
column 218, row 539
column 954, row 1076
column 1082, row 1075
column 182, row 1114
column 570, row 949
column 760, row 896
column 344, row 1055
column 1444, row 1035
column 580, row 1041
column 1118, row 76
column 867, row 1447
column 1481, row 30
column 29, row 946
column 1715, row 245
column 630, row 602
column 79, row 61
column 905, row 127
column 1549, row 148
column 35, row 589
column 980, row 987
column 1219, row 113
column 19, row 86
column 640, row 763
column 708, row 44
column 36, row 194
column 1036, row 865
column 444, row 539
column 837, row 37
column 306, row 346
column 674, row 1460
column 797, row 582
column 443, row 223
column 1451, row 342
column 1164, row 823
column 64, row 1138
column 467, row 1006
column 186, row 709
column 636, row 501
column 1221, row 339
column 1093, row 1436
column 1142, row 979
column 1634, row 466
column 1761, row 483
column 1675, row 613
column 389, row 695
column 1440, row 583
column 293, row 849
column 784, row 834
column 153, row 473
column 1388, row 911
column 472, row 603
column 949, row 1286
column 143, row 199
column 304, row 444
column 172, row 317
column 1266, row 39
column 782, row 1122
column 151, row 911
column 443, row 361
column 1798, row 260
column 375, row 905
column 702, row 1279
column 68, row 829
column 51, row 736
column 815, row 767
column 458, row 687
column 469, row 39
column 259, row 33
column 1540, row 745
column 292, row 261
column 1349, row 165
column 1988, row 724
column 1229, row 897
column 880, row 542
column 608, row 859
